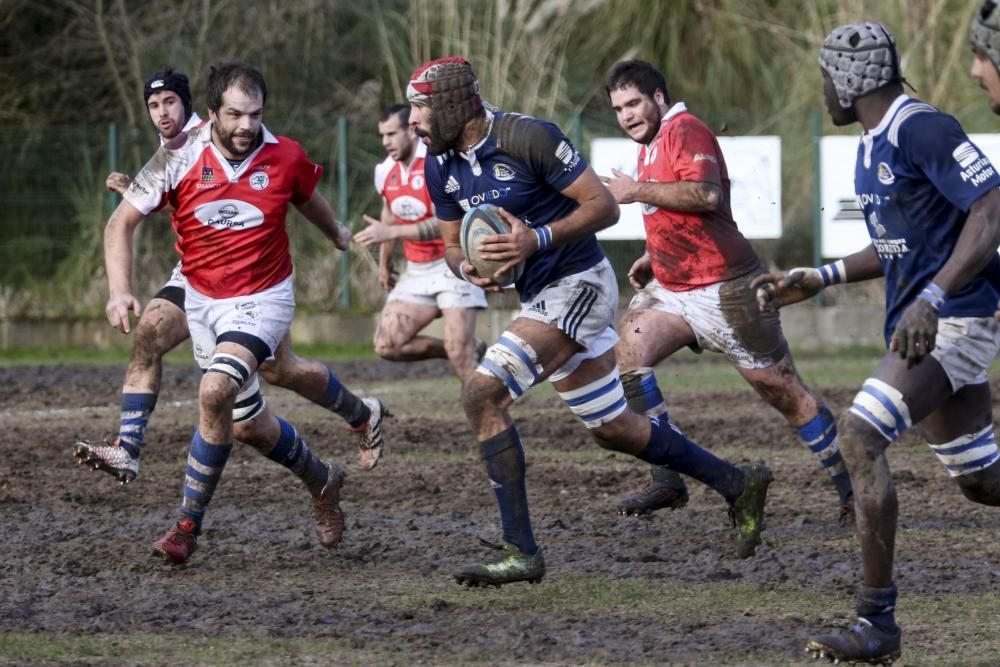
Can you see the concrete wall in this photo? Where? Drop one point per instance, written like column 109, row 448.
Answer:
column 805, row 326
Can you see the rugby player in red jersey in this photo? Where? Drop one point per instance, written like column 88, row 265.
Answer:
column 692, row 284
column 230, row 183
column 427, row 289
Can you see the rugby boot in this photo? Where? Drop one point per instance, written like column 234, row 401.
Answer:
column 747, row 511
column 326, row 508
column 510, row 566
column 179, row 542
column 654, row 496
column 112, row 459
column 370, row 440
column 861, row 642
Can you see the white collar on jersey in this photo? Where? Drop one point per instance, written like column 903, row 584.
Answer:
column 887, row 118
column 679, row 107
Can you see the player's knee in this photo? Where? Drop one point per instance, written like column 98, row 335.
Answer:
column 216, row 393
column 615, row 435
column 860, row 444
column 146, row 352
column 386, row 347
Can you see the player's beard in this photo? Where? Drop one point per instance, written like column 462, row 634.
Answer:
column 227, row 141
column 438, row 142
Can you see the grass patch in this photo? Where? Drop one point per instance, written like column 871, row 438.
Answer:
column 182, row 355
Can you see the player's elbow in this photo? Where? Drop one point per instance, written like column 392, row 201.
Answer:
column 711, row 196
column 608, row 211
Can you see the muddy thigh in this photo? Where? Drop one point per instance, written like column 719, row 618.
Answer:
column 757, row 333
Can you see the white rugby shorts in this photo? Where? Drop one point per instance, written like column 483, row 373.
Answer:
column 266, row 315
column 176, row 278
column 965, row 347
column 725, row 319
column 583, row 305
column 433, row 284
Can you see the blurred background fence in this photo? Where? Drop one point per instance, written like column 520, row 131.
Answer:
column 71, row 75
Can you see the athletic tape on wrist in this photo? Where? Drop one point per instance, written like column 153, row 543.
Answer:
column 833, row 273
column 934, row 295
column 544, row 234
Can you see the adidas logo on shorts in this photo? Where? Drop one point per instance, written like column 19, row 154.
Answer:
column 539, row 308
column 452, row 185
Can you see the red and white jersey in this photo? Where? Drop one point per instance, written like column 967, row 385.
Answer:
column 691, row 250
column 230, row 223
column 405, row 193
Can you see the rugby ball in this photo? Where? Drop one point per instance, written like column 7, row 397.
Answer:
column 478, row 223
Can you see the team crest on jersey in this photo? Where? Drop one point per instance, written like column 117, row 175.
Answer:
column 393, row 180
column 207, row 174
column 259, row 180
column 502, row 172
column 885, row 175
column 417, row 181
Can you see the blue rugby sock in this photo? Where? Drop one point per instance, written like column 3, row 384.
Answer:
column 878, row 606
column 820, row 436
column 339, row 399
column 204, row 468
column 135, row 412
column 668, row 446
column 292, row 452
column 644, row 398
column 503, row 455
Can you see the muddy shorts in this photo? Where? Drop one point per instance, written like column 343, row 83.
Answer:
column 260, row 319
column 583, row 305
column 724, row 317
column 434, row 284
column 173, row 289
column 965, row 347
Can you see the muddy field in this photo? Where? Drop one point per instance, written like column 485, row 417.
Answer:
column 78, row 584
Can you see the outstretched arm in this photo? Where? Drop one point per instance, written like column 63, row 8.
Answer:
column 776, row 290
column 683, row 196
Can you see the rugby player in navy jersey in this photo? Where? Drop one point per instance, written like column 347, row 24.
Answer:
column 555, row 203
column 930, row 200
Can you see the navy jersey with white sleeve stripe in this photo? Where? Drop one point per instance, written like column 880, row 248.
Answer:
column 522, row 165
column 917, row 175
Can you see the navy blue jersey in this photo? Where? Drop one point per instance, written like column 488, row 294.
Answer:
column 916, row 176
column 523, row 164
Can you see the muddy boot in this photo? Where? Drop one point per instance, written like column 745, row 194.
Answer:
column 510, row 566
column 861, row 642
column 112, row 459
column 665, row 491
column 747, row 511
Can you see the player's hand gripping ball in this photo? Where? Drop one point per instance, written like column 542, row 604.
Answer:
column 478, row 223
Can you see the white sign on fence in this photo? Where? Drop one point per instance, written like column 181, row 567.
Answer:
column 754, row 168
column 843, row 229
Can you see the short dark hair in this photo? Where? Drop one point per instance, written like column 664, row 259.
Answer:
column 636, row 73
column 222, row 77
column 401, row 110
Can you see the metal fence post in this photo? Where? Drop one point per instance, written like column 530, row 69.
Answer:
column 112, row 163
column 342, row 205
column 817, row 136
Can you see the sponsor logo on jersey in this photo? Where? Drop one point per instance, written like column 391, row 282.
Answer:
column 259, row 180
column 136, row 186
column 229, row 214
column 566, row 154
column 452, row 185
column 885, row 174
column 207, row 174
column 965, row 154
column 393, row 179
column 539, row 308
column 502, row 172
column 702, row 157
column 483, row 197
column 976, row 168
column 417, row 181
column 408, row 208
